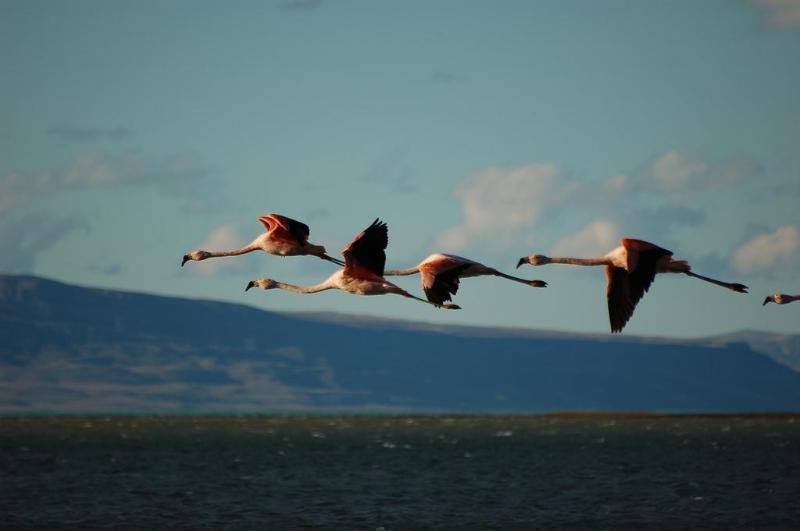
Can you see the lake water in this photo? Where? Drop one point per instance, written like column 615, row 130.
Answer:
column 400, row 472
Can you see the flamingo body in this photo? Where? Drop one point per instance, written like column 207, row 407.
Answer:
column 283, row 237
column 630, row 271
column 440, row 275
column 363, row 271
column 781, row 298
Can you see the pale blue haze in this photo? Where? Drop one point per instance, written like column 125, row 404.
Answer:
column 339, row 112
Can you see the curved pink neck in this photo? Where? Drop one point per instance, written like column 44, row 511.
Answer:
column 234, row 252
column 304, row 289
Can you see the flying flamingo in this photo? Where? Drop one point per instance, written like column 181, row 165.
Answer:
column 630, row 269
column 440, row 275
column 283, row 237
column 364, row 260
column 781, row 298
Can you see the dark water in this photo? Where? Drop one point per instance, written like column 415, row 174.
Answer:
column 494, row 472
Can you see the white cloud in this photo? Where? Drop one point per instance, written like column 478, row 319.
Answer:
column 658, row 201
column 783, row 14
column 25, row 233
column 596, row 239
column 498, row 204
column 176, row 176
column 677, row 172
column 767, row 251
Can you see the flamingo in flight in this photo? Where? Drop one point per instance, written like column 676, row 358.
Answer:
column 364, row 260
column 440, row 275
column 630, row 269
column 283, row 237
column 781, row 298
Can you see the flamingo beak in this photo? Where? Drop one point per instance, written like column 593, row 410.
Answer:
column 768, row 299
column 185, row 259
column 522, row 261
column 250, row 284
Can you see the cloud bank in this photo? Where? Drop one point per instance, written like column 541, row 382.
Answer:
column 767, row 251
column 499, row 205
column 25, row 233
column 178, row 176
column 781, row 14
column 518, row 207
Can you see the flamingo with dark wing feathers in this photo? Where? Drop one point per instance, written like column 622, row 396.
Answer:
column 440, row 275
column 364, row 260
column 781, row 298
column 283, row 237
column 630, row 269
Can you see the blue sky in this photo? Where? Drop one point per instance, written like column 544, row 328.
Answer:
column 132, row 132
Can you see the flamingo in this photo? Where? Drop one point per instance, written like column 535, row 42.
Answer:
column 440, row 275
column 364, row 260
column 283, row 237
column 630, row 269
column 781, row 298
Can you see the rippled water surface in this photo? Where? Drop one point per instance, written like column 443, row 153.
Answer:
column 399, row 472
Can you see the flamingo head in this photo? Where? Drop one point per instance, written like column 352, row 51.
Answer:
column 196, row 256
column 534, row 260
column 778, row 298
column 263, row 283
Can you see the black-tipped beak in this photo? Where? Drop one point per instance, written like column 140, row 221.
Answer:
column 768, row 299
column 185, row 259
column 521, row 261
column 250, row 284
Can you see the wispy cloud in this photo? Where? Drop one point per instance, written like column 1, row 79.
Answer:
column 391, row 169
column 780, row 248
column 603, row 234
column 502, row 208
column 76, row 133
column 25, row 233
column 24, row 238
column 300, row 5
column 179, row 176
column 498, row 205
column 107, row 269
column 448, row 78
column 781, row 14
column 677, row 172
column 318, row 213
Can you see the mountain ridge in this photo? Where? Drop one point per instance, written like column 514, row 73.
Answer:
column 72, row 348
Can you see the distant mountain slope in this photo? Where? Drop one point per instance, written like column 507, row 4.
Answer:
column 69, row 348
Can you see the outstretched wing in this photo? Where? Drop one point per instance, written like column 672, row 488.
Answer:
column 626, row 288
column 440, row 279
column 641, row 246
column 367, row 250
column 620, row 301
column 641, row 275
column 285, row 229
